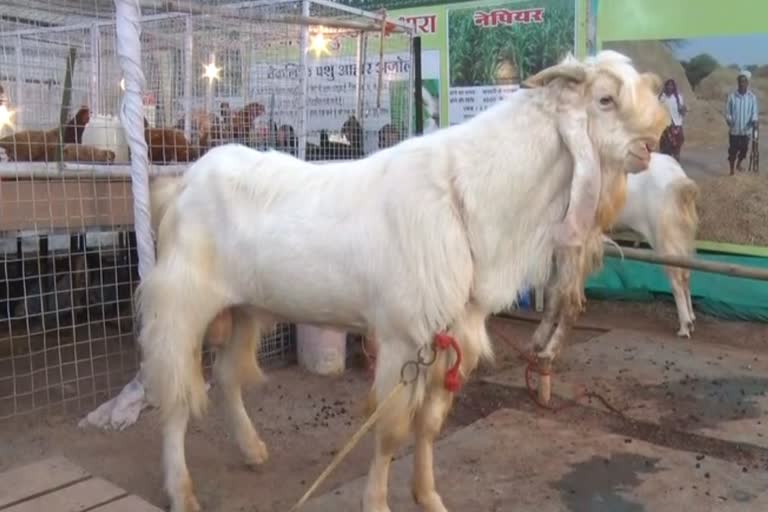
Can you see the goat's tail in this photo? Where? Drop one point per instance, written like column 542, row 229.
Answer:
column 679, row 217
column 174, row 312
column 175, row 304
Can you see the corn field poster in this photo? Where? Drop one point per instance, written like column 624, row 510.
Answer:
column 492, row 48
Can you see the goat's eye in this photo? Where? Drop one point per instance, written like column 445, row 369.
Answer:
column 606, row 101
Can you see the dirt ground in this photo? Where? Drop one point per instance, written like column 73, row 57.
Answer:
column 304, row 418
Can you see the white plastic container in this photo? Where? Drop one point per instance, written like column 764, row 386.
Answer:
column 106, row 132
column 321, row 351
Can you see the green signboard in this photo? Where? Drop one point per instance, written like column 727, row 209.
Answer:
column 474, row 53
column 372, row 5
column 629, row 20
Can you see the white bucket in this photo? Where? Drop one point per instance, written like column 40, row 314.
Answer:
column 106, row 132
column 320, row 350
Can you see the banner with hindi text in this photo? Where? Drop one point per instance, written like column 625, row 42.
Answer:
column 493, row 47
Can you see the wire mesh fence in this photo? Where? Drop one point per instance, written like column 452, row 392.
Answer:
column 266, row 74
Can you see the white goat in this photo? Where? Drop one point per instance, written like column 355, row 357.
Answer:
column 661, row 206
column 429, row 236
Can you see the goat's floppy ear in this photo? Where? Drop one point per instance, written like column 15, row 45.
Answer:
column 572, row 71
column 585, row 184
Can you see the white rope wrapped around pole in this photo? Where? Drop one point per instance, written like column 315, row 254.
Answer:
column 123, row 410
column 128, row 24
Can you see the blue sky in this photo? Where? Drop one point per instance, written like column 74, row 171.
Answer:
column 742, row 50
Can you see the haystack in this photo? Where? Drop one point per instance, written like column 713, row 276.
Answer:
column 704, row 124
column 734, row 209
column 717, row 85
column 654, row 56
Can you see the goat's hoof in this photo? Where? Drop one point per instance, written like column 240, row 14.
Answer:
column 256, row 454
column 368, row 507
column 430, row 502
column 684, row 333
column 188, row 504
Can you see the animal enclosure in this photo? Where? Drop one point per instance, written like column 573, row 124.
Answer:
column 264, row 74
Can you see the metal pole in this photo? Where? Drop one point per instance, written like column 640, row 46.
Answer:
column 19, row 84
column 690, row 263
column 592, row 27
column 209, row 86
column 189, row 49
column 417, row 84
column 95, row 102
column 359, row 59
column 303, row 83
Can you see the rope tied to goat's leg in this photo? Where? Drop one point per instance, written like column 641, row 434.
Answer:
column 351, row 443
column 545, row 372
column 409, row 374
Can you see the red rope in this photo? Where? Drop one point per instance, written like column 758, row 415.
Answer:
column 444, row 341
column 533, row 367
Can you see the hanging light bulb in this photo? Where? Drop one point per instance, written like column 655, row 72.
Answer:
column 318, row 44
column 122, row 84
column 211, row 71
column 6, row 116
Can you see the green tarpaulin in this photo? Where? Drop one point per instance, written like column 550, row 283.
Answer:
column 714, row 294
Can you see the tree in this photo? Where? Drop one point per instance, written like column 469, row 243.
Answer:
column 699, row 67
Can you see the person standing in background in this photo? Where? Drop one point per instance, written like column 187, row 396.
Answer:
column 672, row 139
column 741, row 112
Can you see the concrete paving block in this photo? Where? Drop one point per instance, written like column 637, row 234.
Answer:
column 682, row 384
column 513, row 461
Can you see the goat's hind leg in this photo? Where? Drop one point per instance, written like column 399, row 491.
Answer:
column 178, row 483
column 689, row 301
column 680, row 292
column 175, row 374
column 175, row 310
column 237, row 364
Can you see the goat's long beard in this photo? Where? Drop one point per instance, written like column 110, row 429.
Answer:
column 613, row 196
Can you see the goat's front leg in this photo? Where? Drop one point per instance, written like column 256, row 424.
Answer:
column 544, row 330
column 428, row 422
column 566, row 298
column 178, row 483
column 555, row 343
column 392, row 428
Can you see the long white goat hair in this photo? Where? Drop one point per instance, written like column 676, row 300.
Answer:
column 661, row 206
